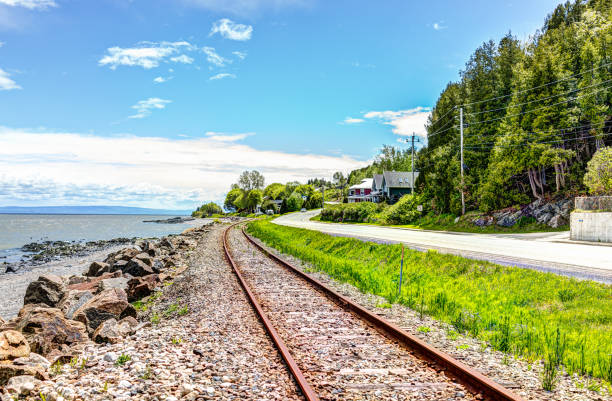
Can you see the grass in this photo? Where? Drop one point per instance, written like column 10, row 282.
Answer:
column 514, row 310
column 123, row 359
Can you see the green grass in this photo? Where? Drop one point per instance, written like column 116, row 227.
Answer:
column 515, row 310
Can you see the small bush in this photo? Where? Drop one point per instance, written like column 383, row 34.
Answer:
column 405, row 210
column 598, row 177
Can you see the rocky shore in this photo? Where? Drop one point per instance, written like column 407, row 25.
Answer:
column 39, row 253
column 65, row 316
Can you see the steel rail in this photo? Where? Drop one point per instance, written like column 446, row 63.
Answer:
column 471, row 378
column 307, row 391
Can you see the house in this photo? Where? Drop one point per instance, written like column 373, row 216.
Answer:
column 395, row 184
column 361, row 192
column 377, row 190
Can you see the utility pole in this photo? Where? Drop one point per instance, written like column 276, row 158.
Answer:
column 462, row 191
column 412, row 189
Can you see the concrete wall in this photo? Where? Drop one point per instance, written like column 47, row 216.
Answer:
column 595, row 226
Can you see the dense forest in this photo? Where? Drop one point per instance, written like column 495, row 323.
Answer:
column 534, row 113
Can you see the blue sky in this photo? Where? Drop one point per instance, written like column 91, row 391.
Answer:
column 161, row 103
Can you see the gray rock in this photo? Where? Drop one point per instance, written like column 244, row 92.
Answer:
column 73, row 300
column 544, row 218
column 34, row 360
column 137, row 268
column 110, row 357
column 98, row 268
column 49, row 289
column 506, row 221
column 22, row 385
column 118, row 282
column 557, row 221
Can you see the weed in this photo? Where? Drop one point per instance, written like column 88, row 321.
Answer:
column 73, row 362
column 183, row 311
column 105, row 387
column 423, row 329
column 384, row 305
column 176, row 340
column 171, row 309
column 452, row 335
column 147, row 374
column 554, row 357
column 594, row 386
column 42, row 396
column 123, row 359
column 463, row 346
column 56, row 368
column 155, row 318
column 84, row 363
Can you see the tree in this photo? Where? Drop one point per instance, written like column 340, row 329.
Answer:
column 339, row 179
column 294, row 202
column 252, row 199
column 210, row 208
column 250, row 180
column 598, row 178
column 230, row 199
column 315, row 201
column 274, row 191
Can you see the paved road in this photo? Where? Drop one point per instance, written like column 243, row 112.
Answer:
column 552, row 252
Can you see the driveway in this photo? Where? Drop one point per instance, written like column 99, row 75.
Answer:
column 551, row 252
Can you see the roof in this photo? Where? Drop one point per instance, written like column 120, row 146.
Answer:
column 365, row 184
column 399, row 179
column 378, row 180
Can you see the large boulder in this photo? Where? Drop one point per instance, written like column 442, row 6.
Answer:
column 46, row 329
column 111, row 331
column 22, row 385
column 73, row 300
column 140, row 287
column 10, row 370
column 137, row 268
column 33, row 360
column 116, row 282
column 48, row 289
column 557, row 221
column 92, row 284
column 109, row 304
column 143, row 256
column 150, row 248
column 98, row 268
column 13, row 345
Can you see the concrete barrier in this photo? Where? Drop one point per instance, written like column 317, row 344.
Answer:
column 591, row 226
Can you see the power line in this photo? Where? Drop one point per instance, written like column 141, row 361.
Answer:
column 538, row 108
column 536, row 87
column 577, row 127
column 441, row 130
column 443, row 115
column 536, row 143
column 537, row 100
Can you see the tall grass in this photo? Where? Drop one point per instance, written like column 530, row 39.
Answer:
column 513, row 309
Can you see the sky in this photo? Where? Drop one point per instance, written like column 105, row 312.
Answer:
column 163, row 103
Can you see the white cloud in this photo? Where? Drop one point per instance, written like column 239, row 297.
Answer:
column 31, row 4
column 221, row 76
column 214, row 58
column 231, row 30
column 59, row 168
column 240, row 55
column 223, row 137
column 1, row 44
column 144, row 108
column 351, row 120
column 183, row 58
column 438, row 26
column 145, row 54
column 404, row 122
column 245, row 7
column 161, row 80
column 6, row 83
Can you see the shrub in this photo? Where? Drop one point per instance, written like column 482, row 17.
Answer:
column 360, row 212
column 294, row 202
column 405, row 210
column 598, row 177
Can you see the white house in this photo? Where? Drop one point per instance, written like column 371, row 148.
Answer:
column 361, row 192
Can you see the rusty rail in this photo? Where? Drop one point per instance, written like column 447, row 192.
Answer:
column 307, row 391
column 472, row 379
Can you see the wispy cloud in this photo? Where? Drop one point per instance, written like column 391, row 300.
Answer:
column 438, row 26
column 221, row 76
column 6, row 83
column 231, row 30
column 36, row 168
column 30, row 4
column 351, row 120
column 147, row 54
column 240, row 55
column 144, row 108
column 161, row 80
column 214, row 58
column 223, row 137
column 404, row 122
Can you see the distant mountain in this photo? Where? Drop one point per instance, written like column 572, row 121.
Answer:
column 89, row 210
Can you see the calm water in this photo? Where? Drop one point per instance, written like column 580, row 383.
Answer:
column 17, row 230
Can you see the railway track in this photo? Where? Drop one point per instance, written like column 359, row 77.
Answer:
column 337, row 350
